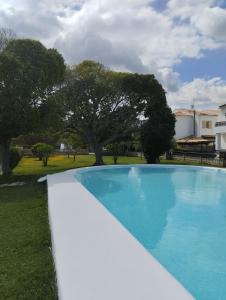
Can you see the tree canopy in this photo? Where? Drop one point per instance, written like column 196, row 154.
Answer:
column 97, row 104
column 102, row 106
column 105, row 106
column 29, row 74
column 157, row 130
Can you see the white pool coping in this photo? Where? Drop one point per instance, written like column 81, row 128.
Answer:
column 95, row 257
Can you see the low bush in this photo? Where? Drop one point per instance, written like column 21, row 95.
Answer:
column 15, row 157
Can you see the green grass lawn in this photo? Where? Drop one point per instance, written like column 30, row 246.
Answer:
column 26, row 267
column 32, row 166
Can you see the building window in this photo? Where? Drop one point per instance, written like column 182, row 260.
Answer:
column 207, row 124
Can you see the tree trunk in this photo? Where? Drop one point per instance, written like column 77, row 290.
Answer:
column 5, row 157
column 98, row 155
column 115, row 157
column 45, row 161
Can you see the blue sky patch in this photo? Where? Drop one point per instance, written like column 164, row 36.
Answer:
column 160, row 5
column 212, row 64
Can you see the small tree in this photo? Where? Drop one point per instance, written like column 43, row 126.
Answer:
column 115, row 149
column 35, row 150
column 45, row 151
column 157, row 131
column 72, row 141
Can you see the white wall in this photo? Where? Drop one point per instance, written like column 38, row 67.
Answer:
column 223, row 141
column 220, row 141
column 205, row 131
column 183, row 126
column 221, row 116
column 221, row 131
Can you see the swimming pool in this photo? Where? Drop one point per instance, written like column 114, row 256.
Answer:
column 177, row 213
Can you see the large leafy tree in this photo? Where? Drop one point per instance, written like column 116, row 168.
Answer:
column 157, row 130
column 105, row 106
column 98, row 105
column 29, row 75
column 158, row 121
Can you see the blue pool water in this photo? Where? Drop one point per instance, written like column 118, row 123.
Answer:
column 177, row 213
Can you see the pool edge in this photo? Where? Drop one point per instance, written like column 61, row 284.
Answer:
column 62, row 188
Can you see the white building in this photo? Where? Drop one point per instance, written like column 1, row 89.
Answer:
column 220, row 129
column 196, row 123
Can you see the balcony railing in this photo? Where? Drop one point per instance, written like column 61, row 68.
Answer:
column 218, row 124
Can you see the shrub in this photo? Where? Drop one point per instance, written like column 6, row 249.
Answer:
column 44, row 151
column 15, row 156
column 115, row 150
column 35, row 150
column 157, row 130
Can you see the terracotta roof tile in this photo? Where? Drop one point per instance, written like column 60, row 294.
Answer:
column 190, row 112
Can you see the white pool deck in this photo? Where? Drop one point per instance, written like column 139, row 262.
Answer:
column 96, row 258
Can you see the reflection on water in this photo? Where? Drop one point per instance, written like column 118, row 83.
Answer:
column 136, row 197
column 195, row 236
column 200, row 188
column 99, row 185
column 177, row 213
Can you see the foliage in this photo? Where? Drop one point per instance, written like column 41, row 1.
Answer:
column 157, row 131
column 29, row 74
column 72, row 141
column 43, row 151
column 35, row 150
column 96, row 105
column 115, row 150
column 173, row 144
column 27, row 140
column 134, row 144
column 104, row 106
column 15, row 157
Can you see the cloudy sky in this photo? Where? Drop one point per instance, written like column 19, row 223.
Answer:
column 183, row 42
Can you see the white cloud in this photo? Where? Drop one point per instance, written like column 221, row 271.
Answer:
column 202, row 15
column 203, row 93
column 187, row 8
column 212, row 22
column 152, row 37
column 125, row 35
column 169, row 79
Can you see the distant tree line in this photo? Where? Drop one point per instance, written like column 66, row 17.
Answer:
column 101, row 107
